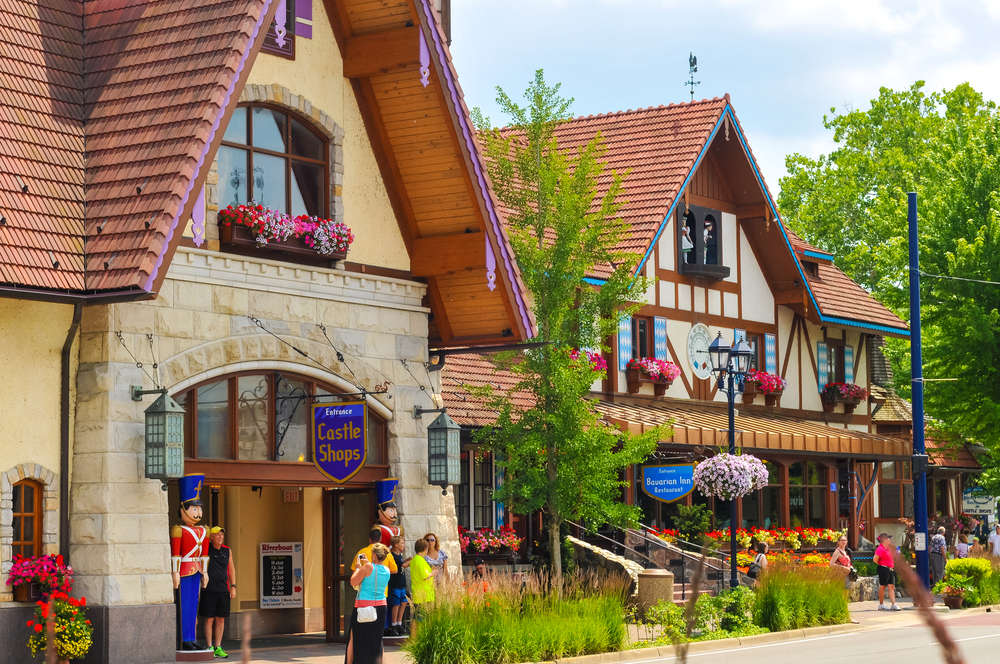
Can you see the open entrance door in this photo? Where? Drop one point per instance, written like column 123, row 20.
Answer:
column 348, row 515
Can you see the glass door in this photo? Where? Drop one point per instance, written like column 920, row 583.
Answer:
column 349, row 515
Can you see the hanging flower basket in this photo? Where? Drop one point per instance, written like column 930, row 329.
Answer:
column 846, row 393
column 730, row 476
column 661, row 373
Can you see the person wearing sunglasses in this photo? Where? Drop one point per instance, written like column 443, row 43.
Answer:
column 436, row 558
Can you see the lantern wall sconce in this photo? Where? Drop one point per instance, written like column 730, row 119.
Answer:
column 164, row 436
column 444, row 449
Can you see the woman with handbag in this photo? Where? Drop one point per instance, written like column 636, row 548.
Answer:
column 841, row 560
column 759, row 563
column 364, row 645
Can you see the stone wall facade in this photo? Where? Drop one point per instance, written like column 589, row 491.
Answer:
column 201, row 328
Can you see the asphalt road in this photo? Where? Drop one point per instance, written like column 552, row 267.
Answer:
column 978, row 638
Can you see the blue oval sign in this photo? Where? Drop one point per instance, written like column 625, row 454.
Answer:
column 668, row 483
column 340, row 439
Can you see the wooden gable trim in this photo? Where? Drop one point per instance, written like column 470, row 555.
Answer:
column 159, row 270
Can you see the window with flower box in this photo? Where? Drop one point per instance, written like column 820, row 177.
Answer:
column 474, row 497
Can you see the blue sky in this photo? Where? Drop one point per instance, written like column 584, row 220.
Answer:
column 785, row 63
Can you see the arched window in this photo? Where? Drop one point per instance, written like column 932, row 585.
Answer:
column 286, row 160
column 262, row 417
column 27, row 519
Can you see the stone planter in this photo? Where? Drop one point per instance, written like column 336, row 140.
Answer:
column 240, row 240
column 654, row 585
column 953, row 602
column 635, row 379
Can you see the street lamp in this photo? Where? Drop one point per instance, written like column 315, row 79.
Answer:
column 164, row 436
column 732, row 363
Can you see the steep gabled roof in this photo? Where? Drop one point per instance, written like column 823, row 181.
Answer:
column 103, row 99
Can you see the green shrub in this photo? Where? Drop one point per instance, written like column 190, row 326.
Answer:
column 670, row 618
column 692, row 522
column 791, row 597
column 865, row 568
column 501, row 621
column 977, row 569
column 983, row 580
column 737, row 609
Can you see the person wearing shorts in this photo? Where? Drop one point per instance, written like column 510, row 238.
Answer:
column 397, row 589
column 885, row 565
column 216, row 597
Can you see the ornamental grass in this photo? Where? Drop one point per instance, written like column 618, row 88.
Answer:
column 503, row 619
column 793, row 597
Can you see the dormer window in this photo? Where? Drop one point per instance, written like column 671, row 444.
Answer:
column 810, row 268
column 699, row 238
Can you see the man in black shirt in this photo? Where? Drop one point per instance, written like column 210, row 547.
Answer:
column 221, row 589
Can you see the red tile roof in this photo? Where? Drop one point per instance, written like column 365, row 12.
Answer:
column 475, row 370
column 839, row 297
column 93, row 105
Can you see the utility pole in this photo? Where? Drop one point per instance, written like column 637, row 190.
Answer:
column 919, row 464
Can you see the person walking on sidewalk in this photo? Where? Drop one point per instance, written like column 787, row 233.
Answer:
column 885, row 564
column 221, row 590
column 939, row 552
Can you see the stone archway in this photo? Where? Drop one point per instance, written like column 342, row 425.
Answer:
column 50, row 515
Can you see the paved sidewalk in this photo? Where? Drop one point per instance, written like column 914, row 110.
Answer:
column 314, row 651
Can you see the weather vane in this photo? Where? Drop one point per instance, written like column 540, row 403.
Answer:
column 692, row 69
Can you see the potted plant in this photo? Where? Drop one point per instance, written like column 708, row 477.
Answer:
column 953, row 589
column 848, row 394
column 661, row 373
column 252, row 227
column 73, row 631
column 730, row 476
column 760, row 382
column 37, row 577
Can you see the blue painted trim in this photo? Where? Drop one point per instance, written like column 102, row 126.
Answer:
column 867, row 326
column 818, row 254
column 594, row 282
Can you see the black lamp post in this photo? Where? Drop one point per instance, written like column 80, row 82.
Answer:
column 732, row 363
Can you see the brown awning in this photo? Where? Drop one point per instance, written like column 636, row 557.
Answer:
column 706, row 424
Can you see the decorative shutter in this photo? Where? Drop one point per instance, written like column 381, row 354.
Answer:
column 821, row 364
column 737, row 335
column 849, row 364
column 303, row 19
column 624, row 341
column 499, row 509
column 770, row 354
column 660, row 338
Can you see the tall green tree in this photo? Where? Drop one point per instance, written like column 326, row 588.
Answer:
column 555, row 452
column 852, row 202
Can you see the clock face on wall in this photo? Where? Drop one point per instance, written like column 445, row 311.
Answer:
column 699, row 339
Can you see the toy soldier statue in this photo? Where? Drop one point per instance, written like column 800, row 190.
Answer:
column 385, row 493
column 189, row 557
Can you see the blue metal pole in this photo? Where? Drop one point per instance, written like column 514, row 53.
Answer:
column 917, row 375
column 733, row 578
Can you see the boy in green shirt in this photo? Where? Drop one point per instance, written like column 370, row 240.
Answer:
column 421, row 581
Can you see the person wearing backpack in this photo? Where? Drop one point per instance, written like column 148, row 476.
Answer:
column 759, row 563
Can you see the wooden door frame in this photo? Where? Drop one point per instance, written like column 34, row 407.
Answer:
column 331, row 587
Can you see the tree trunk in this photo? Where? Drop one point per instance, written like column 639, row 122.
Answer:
column 555, row 546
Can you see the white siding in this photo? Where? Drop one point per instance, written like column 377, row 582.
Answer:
column 665, row 247
column 758, row 302
column 667, row 298
column 729, row 245
column 715, row 302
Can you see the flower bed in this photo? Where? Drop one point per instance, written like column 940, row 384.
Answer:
column 263, row 227
column 794, row 537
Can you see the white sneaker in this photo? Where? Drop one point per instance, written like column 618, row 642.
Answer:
column 883, row 607
column 895, row 607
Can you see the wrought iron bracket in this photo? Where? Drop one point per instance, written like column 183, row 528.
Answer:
column 137, row 393
column 418, row 411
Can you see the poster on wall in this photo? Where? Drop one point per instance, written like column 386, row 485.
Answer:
column 281, row 575
column 340, row 439
column 668, row 483
column 976, row 501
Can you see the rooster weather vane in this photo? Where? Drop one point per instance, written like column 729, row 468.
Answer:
column 692, row 70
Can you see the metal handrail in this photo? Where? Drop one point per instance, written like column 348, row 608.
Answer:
column 615, row 542
column 713, row 553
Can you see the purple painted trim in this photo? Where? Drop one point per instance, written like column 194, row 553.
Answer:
column 280, row 18
column 491, row 266
column 208, row 145
column 425, row 61
column 303, row 19
column 508, row 260
column 198, row 217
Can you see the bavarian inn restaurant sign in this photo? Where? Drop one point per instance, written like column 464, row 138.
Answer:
column 340, row 439
column 668, row 483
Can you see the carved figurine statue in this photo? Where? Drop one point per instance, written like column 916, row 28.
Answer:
column 189, row 557
column 385, row 493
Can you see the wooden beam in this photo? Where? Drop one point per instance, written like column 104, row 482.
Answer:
column 442, row 254
column 382, row 52
column 788, row 297
column 750, row 211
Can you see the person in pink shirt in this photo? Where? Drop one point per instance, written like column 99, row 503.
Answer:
column 885, row 564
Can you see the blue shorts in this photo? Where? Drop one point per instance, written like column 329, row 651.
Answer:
column 397, row 596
